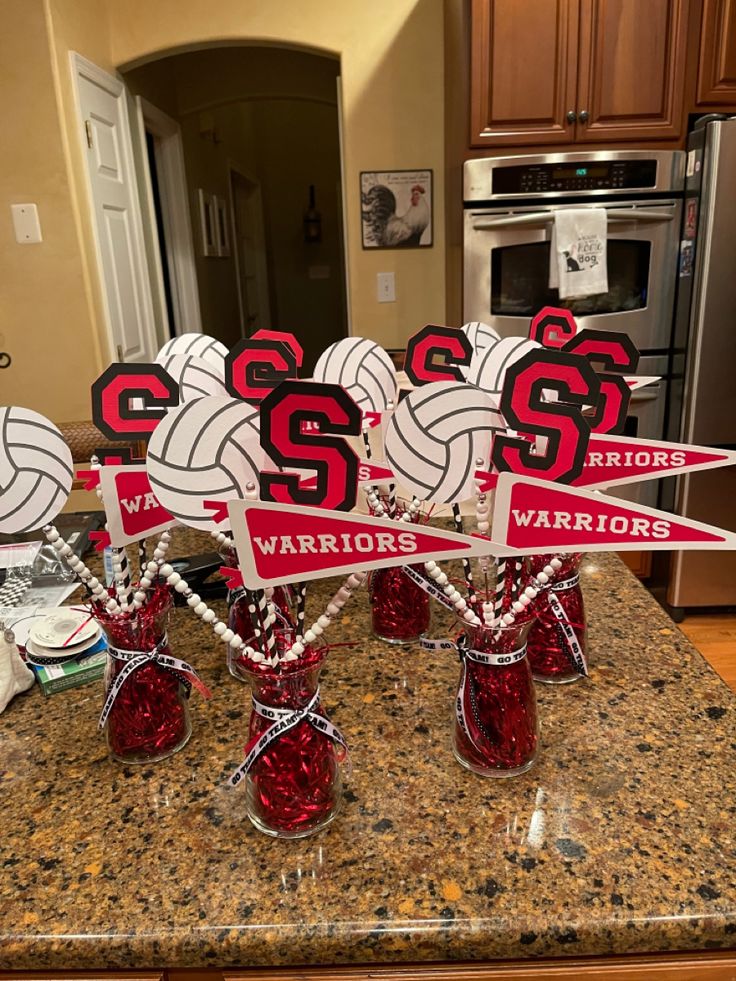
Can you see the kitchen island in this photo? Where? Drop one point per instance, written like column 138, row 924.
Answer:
column 620, row 840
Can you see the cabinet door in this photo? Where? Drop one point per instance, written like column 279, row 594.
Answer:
column 632, row 69
column 717, row 68
column 523, row 71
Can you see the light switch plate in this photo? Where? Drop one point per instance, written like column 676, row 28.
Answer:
column 386, row 287
column 26, row 224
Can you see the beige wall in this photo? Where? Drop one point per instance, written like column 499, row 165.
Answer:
column 51, row 312
column 392, row 77
column 46, row 318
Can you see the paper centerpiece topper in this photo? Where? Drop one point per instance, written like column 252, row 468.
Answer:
column 363, row 369
column 194, row 376
column 279, row 543
column 200, row 345
column 611, row 461
column 205, row 450
column 133, row 511
column 532, row 516
column 438, row 436
column 36, row 471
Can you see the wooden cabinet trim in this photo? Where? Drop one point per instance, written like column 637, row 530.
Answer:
column 720, row 966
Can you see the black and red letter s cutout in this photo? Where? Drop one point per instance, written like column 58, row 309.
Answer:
column 562, row 424
column 290, row 445
column 113, row 391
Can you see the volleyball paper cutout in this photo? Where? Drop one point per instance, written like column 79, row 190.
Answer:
column 488, row 368
column 208, row 449
column 36, row 471
column 195, row 377
column 200, row 345
column 363, row 369
column 436, row 438
column 481, row 337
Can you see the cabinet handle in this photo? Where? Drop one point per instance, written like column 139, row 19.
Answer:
column 584, row 116
column 571, row 116
column 5, row 359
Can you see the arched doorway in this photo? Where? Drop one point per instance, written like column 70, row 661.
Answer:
column 261, row 173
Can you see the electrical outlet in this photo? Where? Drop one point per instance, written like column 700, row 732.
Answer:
column 386, row 288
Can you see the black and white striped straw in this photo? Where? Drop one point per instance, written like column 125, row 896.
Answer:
column 500, row 588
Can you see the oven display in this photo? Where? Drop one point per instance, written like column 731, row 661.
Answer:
column 571, row 173
column 569, row 178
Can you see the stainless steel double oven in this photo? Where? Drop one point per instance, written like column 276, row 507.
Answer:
column 509, row 208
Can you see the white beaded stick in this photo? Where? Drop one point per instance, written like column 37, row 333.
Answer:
column 539, row 583
column 80, row 570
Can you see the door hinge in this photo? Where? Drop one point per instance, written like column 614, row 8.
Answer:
column 88, row 131
column 120, row 352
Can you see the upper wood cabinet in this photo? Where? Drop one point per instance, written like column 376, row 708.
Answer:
column 523, row 71
column 631, row 69
column 717, row 65
column 566, row 71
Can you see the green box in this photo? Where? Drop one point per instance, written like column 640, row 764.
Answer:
column 60, row 677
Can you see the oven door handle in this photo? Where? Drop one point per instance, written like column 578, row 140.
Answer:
column 547, row 217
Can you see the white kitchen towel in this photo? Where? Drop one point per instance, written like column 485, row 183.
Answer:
column 15, row 676
column 578, row 252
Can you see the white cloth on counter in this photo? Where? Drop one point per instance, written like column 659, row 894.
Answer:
column 578, row 263
column 15, row 676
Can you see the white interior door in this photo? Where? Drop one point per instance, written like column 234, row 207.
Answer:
column 250, row 252
column 178, row 247
column 105, row 130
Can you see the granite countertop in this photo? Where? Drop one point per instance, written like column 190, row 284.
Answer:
column 620, row 839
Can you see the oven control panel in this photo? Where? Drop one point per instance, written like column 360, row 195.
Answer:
column 570, row 177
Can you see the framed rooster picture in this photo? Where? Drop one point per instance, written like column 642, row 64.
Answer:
column 396, row 209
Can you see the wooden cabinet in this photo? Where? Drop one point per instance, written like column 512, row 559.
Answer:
column 717, row 63
column 523, row 71
column 577, row 71
column 640, row 563
column 631, row 69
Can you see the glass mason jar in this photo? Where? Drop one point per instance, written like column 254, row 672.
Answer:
column 149, row 718
column 496, row 730
column 558, row 641
column 293, row 787
column 400, row 610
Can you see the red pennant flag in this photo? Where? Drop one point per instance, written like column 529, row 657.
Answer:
column 91, row 478
column 639, row 381
column 278, row 544
column 368, row 473
column 487, row 480
column 101, row 539
column 233, row 577
column 133, row 510
column 371, row 420
column 614, row 460
column 538, row 516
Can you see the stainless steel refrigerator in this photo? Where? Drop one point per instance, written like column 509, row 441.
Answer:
column 705, row 328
